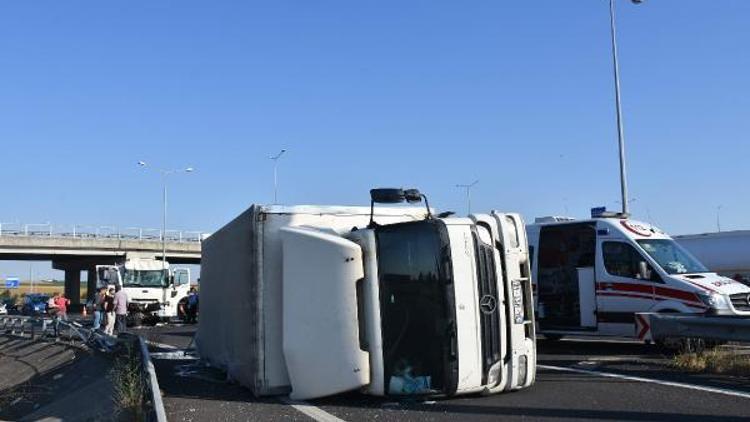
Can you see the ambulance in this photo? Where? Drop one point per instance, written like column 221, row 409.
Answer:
column 590, row 277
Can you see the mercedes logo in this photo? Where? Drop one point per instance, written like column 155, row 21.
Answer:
column 487, row 304
column 747, row 299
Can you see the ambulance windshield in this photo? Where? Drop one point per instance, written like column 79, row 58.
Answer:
column 673, row 258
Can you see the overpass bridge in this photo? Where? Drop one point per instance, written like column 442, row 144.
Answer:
column 78, row 248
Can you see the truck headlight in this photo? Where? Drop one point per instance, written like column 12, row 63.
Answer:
column 715, row 301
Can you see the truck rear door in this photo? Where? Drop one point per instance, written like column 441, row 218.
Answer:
column 321, row 339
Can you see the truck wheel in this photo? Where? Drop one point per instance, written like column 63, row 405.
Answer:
column 137, row 319
column 181, row 307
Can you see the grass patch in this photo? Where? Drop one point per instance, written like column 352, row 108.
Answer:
column 714, row 361
column 129, row 384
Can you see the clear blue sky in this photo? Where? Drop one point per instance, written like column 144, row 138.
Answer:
column 372, row 93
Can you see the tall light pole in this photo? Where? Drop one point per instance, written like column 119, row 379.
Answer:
column 468, row 194
column 275, row 159
column 164, row 173
column 620, row 133
column 718, row 220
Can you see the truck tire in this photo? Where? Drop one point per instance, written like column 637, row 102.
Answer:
column 181, row 305
column 137, row 319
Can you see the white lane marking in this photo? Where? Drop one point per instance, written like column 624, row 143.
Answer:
column 316, row 413
column 649, row 380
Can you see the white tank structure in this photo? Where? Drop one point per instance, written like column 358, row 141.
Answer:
column 727, row 253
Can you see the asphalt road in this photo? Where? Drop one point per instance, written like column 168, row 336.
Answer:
column 194, row 392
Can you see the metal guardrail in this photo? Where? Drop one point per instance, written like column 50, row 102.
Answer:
column 83, row 231
column 659, row 326
column 41, row 327
column 152, row 381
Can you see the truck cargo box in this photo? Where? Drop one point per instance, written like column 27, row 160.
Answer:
column 240, row 326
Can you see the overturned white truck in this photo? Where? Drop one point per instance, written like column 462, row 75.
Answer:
column 317, row 300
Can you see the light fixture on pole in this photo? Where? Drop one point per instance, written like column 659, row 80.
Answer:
column 275, row 159
column 620, row 132
column 468, row 194
column 164, row 173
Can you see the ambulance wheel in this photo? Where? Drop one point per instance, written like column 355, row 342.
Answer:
column 553, row 337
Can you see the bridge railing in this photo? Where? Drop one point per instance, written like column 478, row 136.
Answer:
column 86, row 231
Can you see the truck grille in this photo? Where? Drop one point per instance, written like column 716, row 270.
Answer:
column 741, row 301
column 488, row 307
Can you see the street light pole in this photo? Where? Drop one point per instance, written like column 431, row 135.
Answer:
column 164, row 220
column 164, row 173
column 620, row 132
column 468, row 195
column 275, row 159
column 718, row 219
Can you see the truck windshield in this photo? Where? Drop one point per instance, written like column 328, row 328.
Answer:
column 144, row 278
column 673, row 258
column 416, row 315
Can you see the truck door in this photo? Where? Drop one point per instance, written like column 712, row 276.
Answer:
column 180, row 286
column 181, row 277
column 620, row 289
column 321, row 339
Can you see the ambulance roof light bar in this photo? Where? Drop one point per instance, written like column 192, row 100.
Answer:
column 601, row 212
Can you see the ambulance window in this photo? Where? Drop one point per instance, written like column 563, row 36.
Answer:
column 622, row 260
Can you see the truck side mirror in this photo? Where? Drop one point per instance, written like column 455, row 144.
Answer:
column 643, row 271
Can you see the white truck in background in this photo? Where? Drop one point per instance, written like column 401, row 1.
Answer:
column 591, row 277
column 319, row 300
column 154, row 288
column 727, row 253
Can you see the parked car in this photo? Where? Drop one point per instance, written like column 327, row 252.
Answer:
column 34, row 304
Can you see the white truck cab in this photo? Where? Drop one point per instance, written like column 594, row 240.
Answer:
column 592, row 276
column 154, row 289
column 409, row 304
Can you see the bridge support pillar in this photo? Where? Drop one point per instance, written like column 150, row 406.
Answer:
column 91, row 283
column 73, row 285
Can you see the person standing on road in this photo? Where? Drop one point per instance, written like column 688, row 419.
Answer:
column 52, row 306
column 192, row 306
column 62, row 303
column 121, row 309
column 99, row 307
column 109, row 312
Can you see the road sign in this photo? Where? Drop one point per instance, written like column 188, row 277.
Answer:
column 12, row 283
